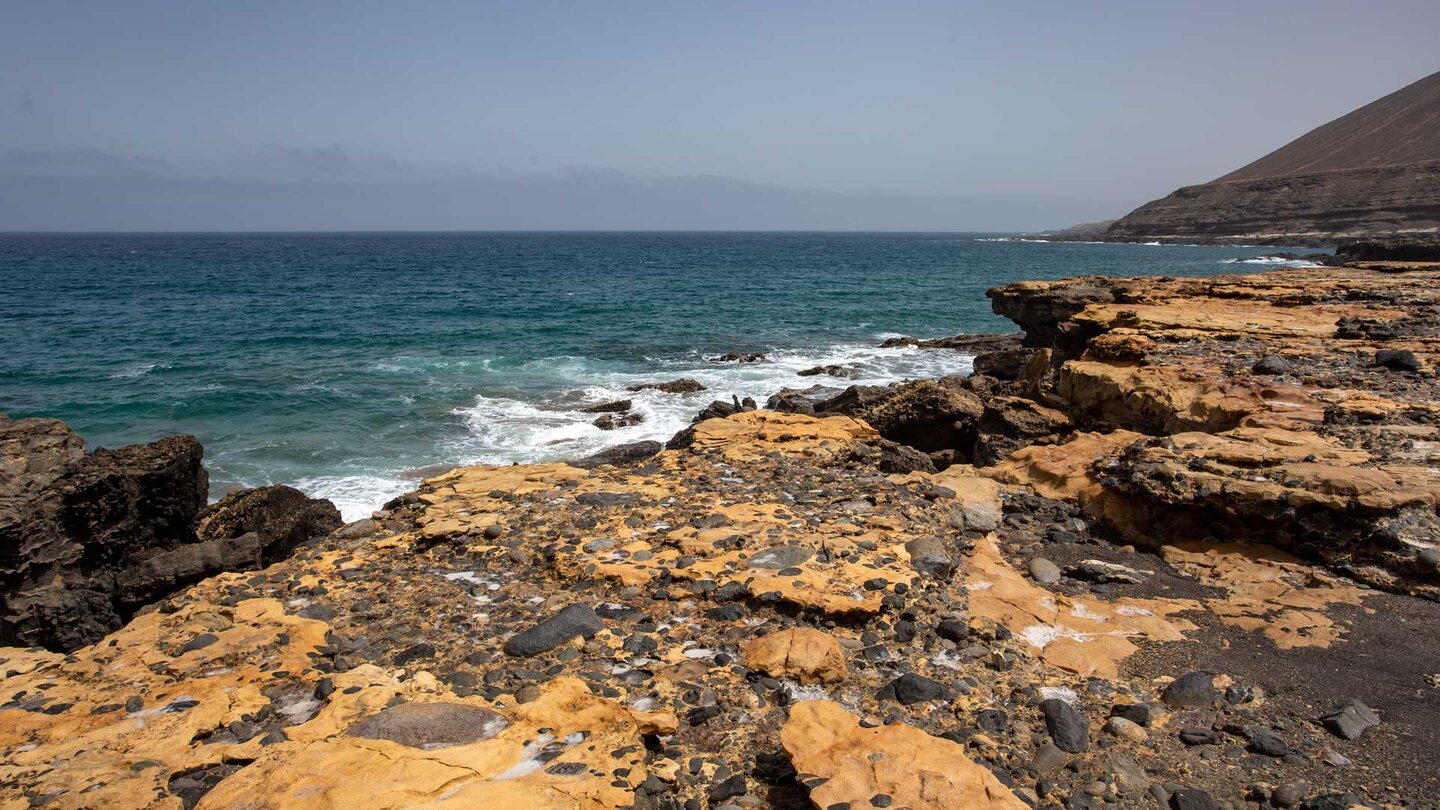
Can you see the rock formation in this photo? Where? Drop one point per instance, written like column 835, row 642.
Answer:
column 1156, row 578
column 1375, row 171
column 87, row 540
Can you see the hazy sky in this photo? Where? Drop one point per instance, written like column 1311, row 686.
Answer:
column 890, row 115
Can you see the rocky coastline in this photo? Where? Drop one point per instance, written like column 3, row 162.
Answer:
column 1176, row 545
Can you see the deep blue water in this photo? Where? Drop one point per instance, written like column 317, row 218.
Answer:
column 348, row 364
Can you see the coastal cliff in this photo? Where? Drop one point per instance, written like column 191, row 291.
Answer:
column 1373, row 172
column 1176, row 550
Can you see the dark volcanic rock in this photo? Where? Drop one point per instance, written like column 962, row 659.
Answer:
column 799, row 400
column 974, row 344
column 1010, row 423
column 911, row 688
column 620, row 455
column 928, row 415
column 573, row 621
column 1192, row 690
column 1003, row 364
column 85, row 540
column 683, row 385
column 1350, row 721
column 283, row 517
column 830, row 371
column 739, row 357
column 1390, row 250
column 1067, row 726
column 618, row 406
column 1397, row 360
column 1272, row 364
column 1192, row 799
column 612, row 421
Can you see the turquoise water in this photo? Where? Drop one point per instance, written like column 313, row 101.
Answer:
column 352, row 364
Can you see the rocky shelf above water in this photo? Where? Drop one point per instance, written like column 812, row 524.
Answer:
column 1179, row 550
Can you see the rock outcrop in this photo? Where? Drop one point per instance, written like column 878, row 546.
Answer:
column 1145, row 574
column 1326, row 454
column 760, row 618
column 87, row 540
column 1372, row 172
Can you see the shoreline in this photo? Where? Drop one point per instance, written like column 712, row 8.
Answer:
column 1013, row 576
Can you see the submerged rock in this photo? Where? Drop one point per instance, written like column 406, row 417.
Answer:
column 683, row 385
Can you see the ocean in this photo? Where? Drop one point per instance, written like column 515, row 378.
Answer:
column 353, row 365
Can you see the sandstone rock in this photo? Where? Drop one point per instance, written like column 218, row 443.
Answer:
column 909, row 766
column 807, row 655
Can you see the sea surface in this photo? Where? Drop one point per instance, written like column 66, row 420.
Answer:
column 353, row 365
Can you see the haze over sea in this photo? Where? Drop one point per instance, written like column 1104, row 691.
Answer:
column 352, row 365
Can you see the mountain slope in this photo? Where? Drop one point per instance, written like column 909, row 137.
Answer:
column 1374, row 171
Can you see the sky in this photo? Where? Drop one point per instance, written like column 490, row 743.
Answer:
column 775, row 115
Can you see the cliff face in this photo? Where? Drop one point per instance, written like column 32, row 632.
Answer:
column 1375, row 171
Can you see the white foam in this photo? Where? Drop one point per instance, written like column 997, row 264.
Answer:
column 547, row 420
column 1274, row 261
column 356, row 496
column 137, row 370
column 506, row 429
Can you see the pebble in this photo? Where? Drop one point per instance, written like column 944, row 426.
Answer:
column 1266, row 742
column 1289, row 794
column 1043, row 571
column 1272, row 364
column 911, row 688
column 574, row 621
column 1067, row 726
column 1193, row 690
column 1192, row 799
column 1138, row 713
column 1127, row 729
column 1351, row 720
